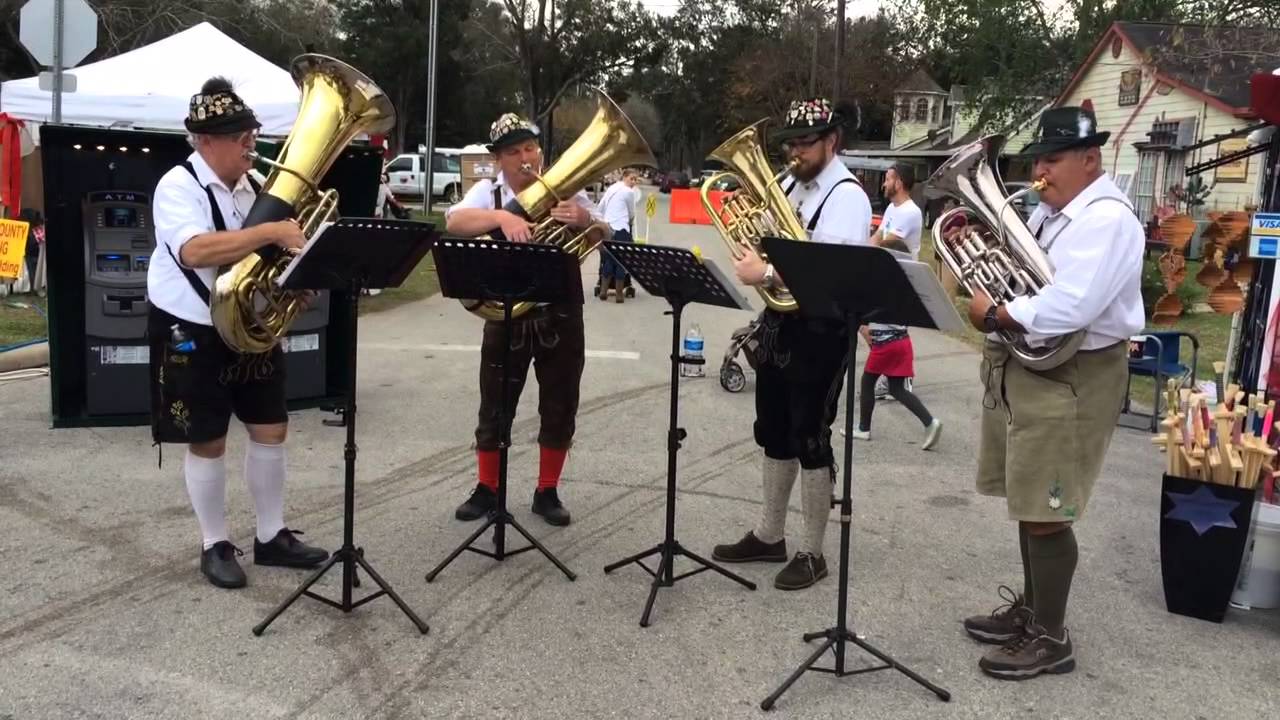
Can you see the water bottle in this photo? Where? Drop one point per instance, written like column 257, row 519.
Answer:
column 179, row 341
column 693, row 350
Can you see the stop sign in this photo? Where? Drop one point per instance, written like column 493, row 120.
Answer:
column 79, row 30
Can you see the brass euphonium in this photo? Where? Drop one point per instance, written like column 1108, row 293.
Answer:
column 610, row 142
column 760, row 208
column 1001, row 257
column 338, row 102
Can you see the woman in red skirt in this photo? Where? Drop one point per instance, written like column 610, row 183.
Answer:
column 893, row 357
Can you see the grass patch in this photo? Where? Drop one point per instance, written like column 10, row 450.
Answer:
column 20, row 324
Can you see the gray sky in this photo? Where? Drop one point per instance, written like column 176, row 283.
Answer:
column 855, row 8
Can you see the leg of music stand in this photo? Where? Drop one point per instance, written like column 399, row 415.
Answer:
column 499, row 518
column 349, row 555
column 837, row 636
column 669, row 548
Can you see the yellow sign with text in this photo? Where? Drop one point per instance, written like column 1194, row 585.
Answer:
column 651, row 206
column 13, row 247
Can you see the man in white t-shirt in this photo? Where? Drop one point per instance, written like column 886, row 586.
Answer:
column 899, row 229
column 618, row 205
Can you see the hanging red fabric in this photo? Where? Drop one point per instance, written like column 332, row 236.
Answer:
column 11, row 157
column 1265, row 96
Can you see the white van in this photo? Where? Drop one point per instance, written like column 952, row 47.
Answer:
column 406, row 171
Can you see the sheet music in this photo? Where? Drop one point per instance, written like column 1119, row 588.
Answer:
column 932, row 296
column 294, row 263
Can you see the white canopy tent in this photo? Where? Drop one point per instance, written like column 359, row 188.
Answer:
column 151, row 87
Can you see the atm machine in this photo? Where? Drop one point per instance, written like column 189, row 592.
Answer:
column 118, row 240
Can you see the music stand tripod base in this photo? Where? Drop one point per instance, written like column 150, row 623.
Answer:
column 679, row 277
column 352, row 255
column 508, row 273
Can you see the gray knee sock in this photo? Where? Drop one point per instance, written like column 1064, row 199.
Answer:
column 815, row 488
column 1053, row 564
column 779, row 476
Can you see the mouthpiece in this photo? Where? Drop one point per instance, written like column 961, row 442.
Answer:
column 1040, row 185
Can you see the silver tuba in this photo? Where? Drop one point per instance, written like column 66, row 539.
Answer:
column 1001, row 257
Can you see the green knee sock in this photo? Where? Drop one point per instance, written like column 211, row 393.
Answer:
column 1028, row 591
column 1053, row 563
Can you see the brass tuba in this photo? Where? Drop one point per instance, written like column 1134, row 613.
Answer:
column 610, row 142
column 1003, row 259
column 758, row 209
column 338, row 102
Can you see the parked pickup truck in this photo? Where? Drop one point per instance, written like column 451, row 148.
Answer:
column 406, row 174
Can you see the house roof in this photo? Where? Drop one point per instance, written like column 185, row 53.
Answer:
column 1204, row 61
column 919, row 81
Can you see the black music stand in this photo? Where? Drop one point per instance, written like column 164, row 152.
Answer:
column 678, row 276
column 855, row 284
column 354, row 254
column 508, row 273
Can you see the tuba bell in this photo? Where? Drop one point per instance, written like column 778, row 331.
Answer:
column 250, row 312
column 1002, row 259
column 760, row 208
column 609, row 142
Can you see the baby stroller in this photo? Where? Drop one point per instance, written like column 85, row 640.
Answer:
column 745, row 340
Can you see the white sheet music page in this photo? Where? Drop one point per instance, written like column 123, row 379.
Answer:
column 284, row 276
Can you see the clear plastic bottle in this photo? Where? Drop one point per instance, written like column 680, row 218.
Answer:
column 693, row 349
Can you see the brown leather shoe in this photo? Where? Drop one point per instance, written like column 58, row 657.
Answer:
column 1033, row 652
column 1003, row 624
column 751, row 549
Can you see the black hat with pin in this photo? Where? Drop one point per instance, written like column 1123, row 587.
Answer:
column 1065, row 128
column 816, row 115
column 509, row 130
column 218, row 110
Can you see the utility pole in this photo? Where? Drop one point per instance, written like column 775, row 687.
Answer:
column 429, row 159
column 835, row 92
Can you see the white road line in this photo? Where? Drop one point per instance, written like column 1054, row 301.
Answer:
column 446, row 347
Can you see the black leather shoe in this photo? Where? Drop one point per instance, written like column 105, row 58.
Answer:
column 482, row 500
column 286, row 550
column 547, row 504
column 803, row 571
column 219, row 565
column 751, row 549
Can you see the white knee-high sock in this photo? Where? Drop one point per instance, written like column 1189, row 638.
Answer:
column 207, row 485
column 815, row 489
column 779, row 476
column 264, row 473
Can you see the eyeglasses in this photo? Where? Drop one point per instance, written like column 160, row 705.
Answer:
column 799, row 144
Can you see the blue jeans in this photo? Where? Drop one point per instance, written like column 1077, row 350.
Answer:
column 611, row 269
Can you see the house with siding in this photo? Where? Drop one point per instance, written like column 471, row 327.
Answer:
column 1161, row 89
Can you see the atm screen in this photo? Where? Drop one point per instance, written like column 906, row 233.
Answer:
column 121, row 217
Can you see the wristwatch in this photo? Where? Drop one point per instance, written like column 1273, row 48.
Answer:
column 768, row 275
column 991, row 323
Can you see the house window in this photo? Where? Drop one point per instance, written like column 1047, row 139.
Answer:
column 1144, row 188
column 904, row 110
column 1175, row 163
column 922, row 110
column 937, row 113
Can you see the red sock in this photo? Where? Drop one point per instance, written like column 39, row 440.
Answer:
column 550, row 463
column 487, row 468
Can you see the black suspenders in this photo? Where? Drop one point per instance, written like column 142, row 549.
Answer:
column 813, row 221
column 219, row 224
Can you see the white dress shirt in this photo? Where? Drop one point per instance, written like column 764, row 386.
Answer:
column 180, row 211
column 618, row 205
column 846, row 217
column 480, row 196
column 1095, row 244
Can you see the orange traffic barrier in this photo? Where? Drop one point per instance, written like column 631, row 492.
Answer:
column 687, row 209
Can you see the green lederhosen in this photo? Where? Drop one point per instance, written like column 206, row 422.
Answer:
column 1045, row 434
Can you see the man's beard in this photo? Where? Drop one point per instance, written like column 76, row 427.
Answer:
column 807, row 170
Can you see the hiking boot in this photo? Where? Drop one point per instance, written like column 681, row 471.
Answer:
column 803, row 570
column 1004, row 624
column 751, row 549
column 547, row 503
column 1033, row 652
column 482, row 500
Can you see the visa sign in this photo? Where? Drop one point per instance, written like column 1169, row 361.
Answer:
column 1264, row 236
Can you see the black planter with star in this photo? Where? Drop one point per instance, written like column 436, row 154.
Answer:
column 1203, row 530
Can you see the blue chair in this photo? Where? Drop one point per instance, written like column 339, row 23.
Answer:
column 1161, row 359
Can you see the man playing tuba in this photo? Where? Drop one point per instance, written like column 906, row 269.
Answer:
column 801, row 361
column 197, row 381
column 550, row 336
column 1045, row 433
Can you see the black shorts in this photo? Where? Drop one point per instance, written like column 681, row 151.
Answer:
column 194, row 392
